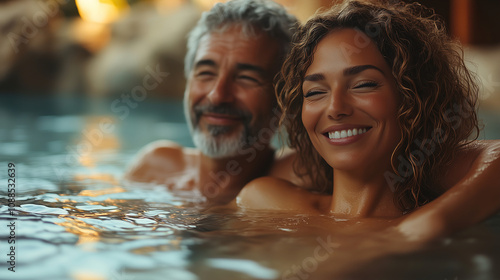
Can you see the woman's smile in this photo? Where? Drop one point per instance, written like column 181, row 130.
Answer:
column 345, row 134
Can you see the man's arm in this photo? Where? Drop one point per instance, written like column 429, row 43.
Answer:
column 471, row 200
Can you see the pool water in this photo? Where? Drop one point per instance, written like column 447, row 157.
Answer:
column 75, row 218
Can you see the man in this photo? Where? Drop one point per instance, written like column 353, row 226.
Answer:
column 233, row 54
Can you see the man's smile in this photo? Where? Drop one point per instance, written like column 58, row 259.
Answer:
column 221, row 119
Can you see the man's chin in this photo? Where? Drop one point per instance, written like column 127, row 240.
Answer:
column 219, row 146
column 220, row 131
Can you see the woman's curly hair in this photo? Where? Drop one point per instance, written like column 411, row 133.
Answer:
column 439, row 94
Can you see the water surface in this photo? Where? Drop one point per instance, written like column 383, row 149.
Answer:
column 75, row 218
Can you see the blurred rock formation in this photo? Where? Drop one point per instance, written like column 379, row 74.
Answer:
column 143, row 38
column 42, row 51
column 27, row 49
column 485, row 62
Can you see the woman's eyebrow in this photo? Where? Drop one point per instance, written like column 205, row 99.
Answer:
column 347, row 72
column 360, row 68
column 314, row 77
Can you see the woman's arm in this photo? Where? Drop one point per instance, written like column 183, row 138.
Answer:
column 472, row 199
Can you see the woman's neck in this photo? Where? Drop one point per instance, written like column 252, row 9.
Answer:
column 362, row 197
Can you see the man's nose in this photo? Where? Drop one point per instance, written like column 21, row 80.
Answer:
column 222, row 91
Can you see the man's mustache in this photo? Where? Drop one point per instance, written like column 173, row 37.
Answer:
column 224, row 109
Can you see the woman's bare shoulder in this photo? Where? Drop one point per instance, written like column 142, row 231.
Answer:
column 270, row 193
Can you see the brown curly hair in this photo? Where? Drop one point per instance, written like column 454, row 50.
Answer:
column 439, row 94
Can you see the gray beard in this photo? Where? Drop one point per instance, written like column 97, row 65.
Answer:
column 216, row 141
column 215, row 144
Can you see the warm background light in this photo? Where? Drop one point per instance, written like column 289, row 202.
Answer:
column 101, row 11
column 167, row 6
column 300, row 8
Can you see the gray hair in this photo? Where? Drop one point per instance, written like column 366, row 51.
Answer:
column 265, row 15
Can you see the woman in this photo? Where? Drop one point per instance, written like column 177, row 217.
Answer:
column 382, row 103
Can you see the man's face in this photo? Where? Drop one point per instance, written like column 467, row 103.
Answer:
column 229, row 95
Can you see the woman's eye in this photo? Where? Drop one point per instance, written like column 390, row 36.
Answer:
column 366, row 84
column 312, row 93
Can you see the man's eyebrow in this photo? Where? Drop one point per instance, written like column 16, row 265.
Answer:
column 202, row 62
column 314, row 77
column 360, row 68
column 251, row 67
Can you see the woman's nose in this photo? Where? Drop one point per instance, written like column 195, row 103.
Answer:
column 340, row 105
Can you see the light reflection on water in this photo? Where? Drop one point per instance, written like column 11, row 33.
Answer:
column 111, row 230
column 76, row 219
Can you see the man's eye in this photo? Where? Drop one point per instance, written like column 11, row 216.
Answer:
column 205, row 73
column 366, row 84
column 248, row 78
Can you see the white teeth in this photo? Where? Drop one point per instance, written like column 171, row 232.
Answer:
column 346, row 133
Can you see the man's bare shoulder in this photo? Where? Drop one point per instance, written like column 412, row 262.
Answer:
column 157, row 160
column 270, row 193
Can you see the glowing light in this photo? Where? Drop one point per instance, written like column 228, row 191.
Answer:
column 86, row 232
column 94, row 193
column 97, row 136
column 101, row 11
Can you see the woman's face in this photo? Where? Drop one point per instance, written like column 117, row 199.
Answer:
column 350, row 103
